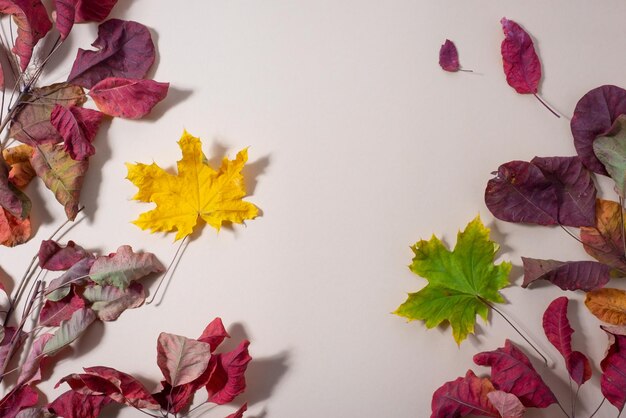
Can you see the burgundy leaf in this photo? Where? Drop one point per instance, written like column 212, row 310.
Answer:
column 32, row 23
column 130, row 390
column 463, row 396
column 449, row 57
column 594, row 116
column 125, row 49
column 54, row 257
column 239, row 413
column 613, row 380
column 228, row 380
column 520, row 192
column 78, row 127
column 128, row 98
column 559, row 332
column 31, row 369
column 77, row 274
column 570, row 275
column 214, row 334
column 181, row 359
column 72, row 404
column 521, row 63
column 69, row 12
column 175, row 399
column 512, row 372
column 17, row 399
column 576, row 193
column 53, row 313
column 11, row 198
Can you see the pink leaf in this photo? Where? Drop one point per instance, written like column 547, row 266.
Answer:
column 228, row 380
column 32, row 22
column 17, row 399
column 181, row 359
column 521, row 63
column 239, row 413
column 214, row 334
column 125, row 49
column 121, row 268
column 128, row 98
column 559, row 333
column 78, row 127
column 507, row 404
column 69, row 12
column 31, row 369
column 56, row 258
column 449, row 57
column 613, row 380
column 512, row 372
column 72, row 404
column 463, row 396
column 53, row 313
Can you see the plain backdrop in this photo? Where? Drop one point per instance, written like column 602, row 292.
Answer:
column 360, row 145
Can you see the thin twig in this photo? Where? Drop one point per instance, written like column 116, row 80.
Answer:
column 598, row 408
column 167, row 271
column 546, row 105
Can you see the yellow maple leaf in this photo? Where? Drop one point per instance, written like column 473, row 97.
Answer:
column 197, row 191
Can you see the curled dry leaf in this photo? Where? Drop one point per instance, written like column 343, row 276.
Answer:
column 214, row 334
column 11, row 198
column 228, row 377
column 125, row 49
column 463, row 396
column 449, row 57
column 197, row 191
column 128, row 98
column 460, row 281
column 570, row 275
column 608, row 305
column 13, row 231
column 78, row 128
column 18, row 159
column 69, row 12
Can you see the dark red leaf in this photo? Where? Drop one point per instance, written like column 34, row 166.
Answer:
column 575, row 191
column 512, row 372
column 72, row 404
column 449, row 57
column 228, row 380
column 559, row 332
column 78, row 127
column 214, row 334
column 463, row 396
column 613, row 380
column 17, row 399
column 521, row 63
column 52, row 313
column 594, row 116
column 129, row 390
column 125, row 49
column 128, row 98
column 53, row 256
column 32, row 22
column 520, row 192
column 69, row 12
column 31, row 369
column 175, row 398
column 239, row 413
column 570, row 275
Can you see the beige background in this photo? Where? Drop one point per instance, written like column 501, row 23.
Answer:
column 359, row 146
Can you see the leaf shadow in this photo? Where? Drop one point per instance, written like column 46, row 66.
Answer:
column 517, row 272
column 6, row 281
column 39, row 213
column 174, row 96
column 93, row 178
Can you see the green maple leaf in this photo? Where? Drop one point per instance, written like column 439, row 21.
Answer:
column 462, row 282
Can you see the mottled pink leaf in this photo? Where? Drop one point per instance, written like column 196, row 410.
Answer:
column 109, row 302
column 125, row 49
column 520, row 192
column 239, row 413
column 78, row 127
column 214, row 334
column 32, row 23
column 463, row 396
column 70, row 330
column 72, row 404
column 449, row 57
column 228, row 380
column 130, row 390
column 54, row 312
column 570, row 275
column 19, row 398
column 575, row 191
column 53, row 256
column 119, row 269
column 181, row 359
column 128, row 98
column 512, row 372
column 69, row 12
column 559, row 332
column 31, row 368
column 507, row 404
column 594, row 116
column 521, row 63
column 613, row 380
column 77, row 274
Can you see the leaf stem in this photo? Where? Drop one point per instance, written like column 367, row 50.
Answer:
column 545, row 359
column 466, row 71
column 598, row 408
column 546, row 105
column 169, row 267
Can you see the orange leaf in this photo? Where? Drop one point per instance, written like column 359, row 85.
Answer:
column 608, row 305
column 13, row 231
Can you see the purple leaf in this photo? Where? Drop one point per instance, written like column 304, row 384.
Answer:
column 449, row 57
column 571, row 275
column 512, row 372
column 520, row 192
